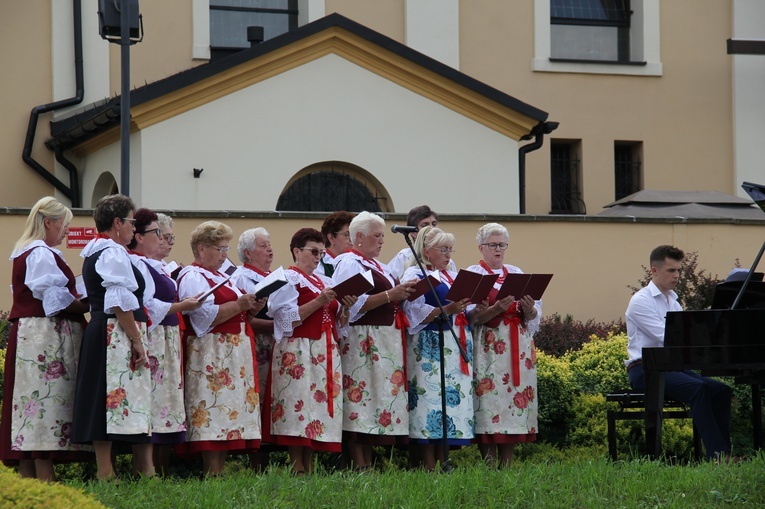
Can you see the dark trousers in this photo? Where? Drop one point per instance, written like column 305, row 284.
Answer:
column 709, row 400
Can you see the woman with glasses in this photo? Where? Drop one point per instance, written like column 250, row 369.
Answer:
column 305, row 400
column 43, row 348
column 337, row 240
column 504, row 371
column 435, row 248
column 256, row 254
column 374, row 370
column 160, row 300
column 221, row 380
column 113, row 396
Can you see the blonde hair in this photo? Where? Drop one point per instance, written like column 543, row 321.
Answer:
column 428, row 238
column 34, row 228
column 209, row 233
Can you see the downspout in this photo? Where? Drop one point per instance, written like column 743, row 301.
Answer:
column 538, row 131
column 72, row 192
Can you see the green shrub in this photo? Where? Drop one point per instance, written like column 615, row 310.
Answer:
column 588, row 426
column 557, row 335
column 16, row 491
column 556, row 389
column 598, row 368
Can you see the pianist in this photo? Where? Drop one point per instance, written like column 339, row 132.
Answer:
column 709, row 399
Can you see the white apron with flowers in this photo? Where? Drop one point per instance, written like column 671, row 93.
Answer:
column 47, row 352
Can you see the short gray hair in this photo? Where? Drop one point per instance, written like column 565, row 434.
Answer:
column 489, row 229
column 247, row 241
column 164, row 221
column 363, row 222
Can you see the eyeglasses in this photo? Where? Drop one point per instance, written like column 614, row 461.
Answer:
column 494, row 245
column 446, row 250
column 223, row 250
column 346, row 234
column 157, row 231
column 129, row 219
column 314, row 251
column 169, row 237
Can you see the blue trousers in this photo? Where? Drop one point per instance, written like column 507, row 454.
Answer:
column 709, row 401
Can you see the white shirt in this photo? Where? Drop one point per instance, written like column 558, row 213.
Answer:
column 646, row 318
column 43, row 277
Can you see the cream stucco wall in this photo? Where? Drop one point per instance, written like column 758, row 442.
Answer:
column 593, row 260
column 254, row 140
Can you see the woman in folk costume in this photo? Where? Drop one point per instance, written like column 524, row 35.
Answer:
column 255, row 252
column 305, row 405
column 43, row 348
column 373, row 352
column 435, row 248
column 337, row 240
column 504, row 360
column 168, row 415
column 221, row 378
column 113, row 398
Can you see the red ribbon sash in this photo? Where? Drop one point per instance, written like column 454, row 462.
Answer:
column 461, row 321
column 402, row 322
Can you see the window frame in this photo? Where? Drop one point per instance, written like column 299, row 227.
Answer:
column 645, row 44
column 628, row 167
column 566, row 189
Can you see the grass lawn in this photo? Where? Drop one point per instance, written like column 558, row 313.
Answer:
column 574, row 482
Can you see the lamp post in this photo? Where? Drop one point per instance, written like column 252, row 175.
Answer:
column 120, row 23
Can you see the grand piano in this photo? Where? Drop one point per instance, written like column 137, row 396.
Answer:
column 718, row 342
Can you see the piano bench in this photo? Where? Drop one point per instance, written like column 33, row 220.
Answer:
column 631, row 402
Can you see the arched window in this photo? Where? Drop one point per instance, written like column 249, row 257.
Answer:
column 331, row 186
column 105, row 185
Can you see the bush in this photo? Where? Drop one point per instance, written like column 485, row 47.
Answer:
column 696, row 286
column 556, row 389
column 598, row 368
column 588, row 421
column 557, row 335
column 5, row 329
column 16, row 491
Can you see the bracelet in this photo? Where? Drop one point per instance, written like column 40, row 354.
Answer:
column 135, row 338
column 387, row 296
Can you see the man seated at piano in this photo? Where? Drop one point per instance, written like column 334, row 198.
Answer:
column 710, row 400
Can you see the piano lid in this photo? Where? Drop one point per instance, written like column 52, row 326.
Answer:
column 756, row 192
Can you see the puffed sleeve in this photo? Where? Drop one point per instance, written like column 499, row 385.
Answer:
column 283, row 308
column 116, row 270
column 416, row 310
column 47, row 282
column 192, row 284
column 157, row 309
column 346, row 268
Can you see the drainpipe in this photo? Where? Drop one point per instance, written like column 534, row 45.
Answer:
column 538, row 131
column 72, row 192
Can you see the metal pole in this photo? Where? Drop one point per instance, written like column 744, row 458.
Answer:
column 125, row 98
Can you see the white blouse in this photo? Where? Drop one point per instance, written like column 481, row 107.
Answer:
column 283, row 303
column 418, row 310
column 348, row 265
column 192, row 282
column 116, row 270
column 43, row 277
column 156, row 308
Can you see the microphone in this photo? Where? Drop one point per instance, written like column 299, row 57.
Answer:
column 403, row 229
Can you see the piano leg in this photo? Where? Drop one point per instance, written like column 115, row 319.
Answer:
column 757, row 416
column 654, row 402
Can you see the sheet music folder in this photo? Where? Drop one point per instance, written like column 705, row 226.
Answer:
column 520, row 285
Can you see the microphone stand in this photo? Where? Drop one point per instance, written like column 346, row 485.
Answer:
column 442, row 320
